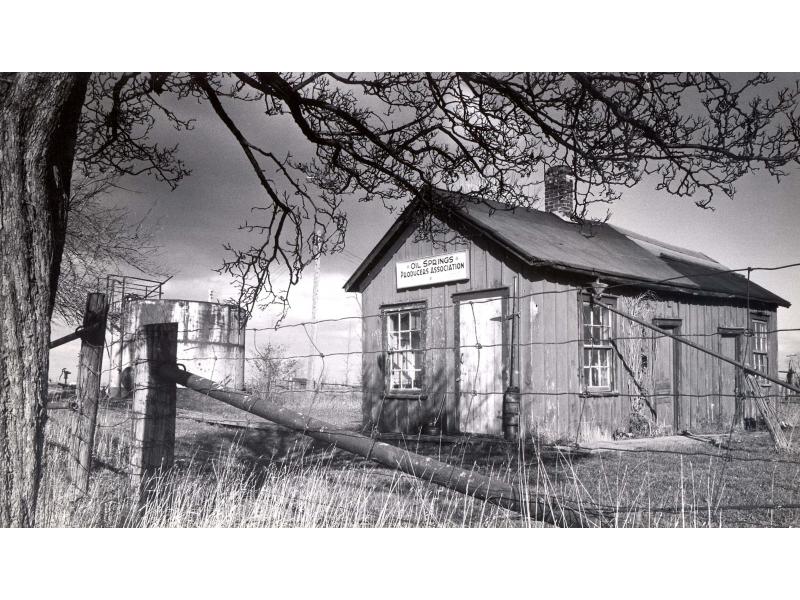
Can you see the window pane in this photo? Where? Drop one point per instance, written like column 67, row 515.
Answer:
column 416, row 340
column 404, row 344
column 598, row 358
column 405, row 341
column 406, row 380
column 760, row 336
column 418, row 378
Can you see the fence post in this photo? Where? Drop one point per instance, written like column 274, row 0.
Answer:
column 87, row 391
column 153, row 409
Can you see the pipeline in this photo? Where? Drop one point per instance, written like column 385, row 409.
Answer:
column 79, row 333
column 428, row 469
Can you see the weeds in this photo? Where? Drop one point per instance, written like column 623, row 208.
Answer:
column 325, row 488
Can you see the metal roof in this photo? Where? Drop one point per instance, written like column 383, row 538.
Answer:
column 598, row 249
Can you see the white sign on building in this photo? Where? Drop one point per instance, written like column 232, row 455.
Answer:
column 432, row 270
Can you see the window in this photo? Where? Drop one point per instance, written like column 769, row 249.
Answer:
column 404, row 345
column 598, row 354
column 760, row 349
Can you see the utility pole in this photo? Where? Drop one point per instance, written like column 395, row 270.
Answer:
column 313, row 351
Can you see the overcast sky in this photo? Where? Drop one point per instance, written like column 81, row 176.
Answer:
column 759, row 227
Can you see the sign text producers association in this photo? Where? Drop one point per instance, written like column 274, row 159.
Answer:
column 432, row 270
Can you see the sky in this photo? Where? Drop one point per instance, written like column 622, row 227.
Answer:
column 759, row 227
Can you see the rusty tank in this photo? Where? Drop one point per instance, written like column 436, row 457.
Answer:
column 211, row 339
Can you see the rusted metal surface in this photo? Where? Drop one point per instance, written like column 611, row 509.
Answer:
column 211, row 338
column 79, row 333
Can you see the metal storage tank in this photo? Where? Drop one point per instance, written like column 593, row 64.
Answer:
column 211, row 339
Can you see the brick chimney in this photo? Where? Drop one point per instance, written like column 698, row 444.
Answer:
column 558, row 190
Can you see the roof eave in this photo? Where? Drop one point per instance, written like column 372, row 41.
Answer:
column 353, row 284
column 622, row 278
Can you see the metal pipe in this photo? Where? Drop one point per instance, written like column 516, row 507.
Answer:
column 75, row 335
column 428, row 469
column 742, row 366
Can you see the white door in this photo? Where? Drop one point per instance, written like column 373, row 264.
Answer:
column 481, row 380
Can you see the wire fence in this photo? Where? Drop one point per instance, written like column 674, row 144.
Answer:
column 354, row 404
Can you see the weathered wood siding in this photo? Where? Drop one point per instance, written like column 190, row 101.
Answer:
column 549, row 349
column 402, row 414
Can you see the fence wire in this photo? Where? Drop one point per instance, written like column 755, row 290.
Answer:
column 323, row 398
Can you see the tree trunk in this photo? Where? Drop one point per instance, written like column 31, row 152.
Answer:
column 39, row 116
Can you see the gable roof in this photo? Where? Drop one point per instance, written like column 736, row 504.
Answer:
column 544, row 239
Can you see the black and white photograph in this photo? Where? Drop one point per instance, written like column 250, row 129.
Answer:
column 543, row 298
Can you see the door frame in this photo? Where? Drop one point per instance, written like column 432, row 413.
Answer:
column 738, row 386
column 673, row 326
column 500, row 292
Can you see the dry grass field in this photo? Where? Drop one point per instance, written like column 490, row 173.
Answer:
column 256, row 474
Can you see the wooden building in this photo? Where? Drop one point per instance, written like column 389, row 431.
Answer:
column 465, row 299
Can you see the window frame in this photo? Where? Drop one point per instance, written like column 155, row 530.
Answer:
column 756, row 350
column 386, row 311
column 586, row 388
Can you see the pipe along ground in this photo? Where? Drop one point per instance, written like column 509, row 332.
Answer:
column 425, row 468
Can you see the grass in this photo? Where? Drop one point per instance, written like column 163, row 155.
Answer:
column 305, row 489
column 267, row 477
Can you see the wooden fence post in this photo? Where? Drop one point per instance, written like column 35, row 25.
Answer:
column 87, row 390
column 153, row 410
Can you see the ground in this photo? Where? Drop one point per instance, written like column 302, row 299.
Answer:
column 236, row 469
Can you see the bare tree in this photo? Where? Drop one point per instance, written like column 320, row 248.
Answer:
column 100, row 239
column 38, row 127
column 272, row 369
column 379, row 136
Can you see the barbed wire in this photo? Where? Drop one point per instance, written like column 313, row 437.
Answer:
column 321, row 354
column 565, row 290
column 478, row 438
column 569, row 289
column 472, row 391
column 617, row 510
column 349, row 388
